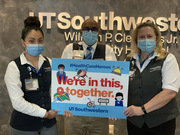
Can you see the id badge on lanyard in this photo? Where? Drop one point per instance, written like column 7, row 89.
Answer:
column 78, row 54
column 132, row 71
column 31, row 84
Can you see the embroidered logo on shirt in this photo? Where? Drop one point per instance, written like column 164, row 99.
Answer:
column 47, row 69
column 155, row 69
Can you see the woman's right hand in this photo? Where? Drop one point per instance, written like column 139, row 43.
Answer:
column 67, row 114
column 51, row 114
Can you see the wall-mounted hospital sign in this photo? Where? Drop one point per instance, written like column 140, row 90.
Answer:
column 94, row 88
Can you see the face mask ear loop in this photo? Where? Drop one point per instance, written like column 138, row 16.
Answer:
column 26, row 46
column 25, row 43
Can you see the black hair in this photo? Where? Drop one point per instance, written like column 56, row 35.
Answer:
column 119, row 94
column 61, row 65
column 31, row 23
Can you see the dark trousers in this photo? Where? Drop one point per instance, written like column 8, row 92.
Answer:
column 80, row 125
column 167, row 128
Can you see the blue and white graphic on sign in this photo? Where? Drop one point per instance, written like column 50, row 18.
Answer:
column 90, row 87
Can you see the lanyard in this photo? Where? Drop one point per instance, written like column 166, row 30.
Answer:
column 34, row 70
column 141, row 63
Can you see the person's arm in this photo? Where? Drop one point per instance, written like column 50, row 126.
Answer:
column 170, row 87
column 109, row 54
column 160, row 100
column 13, row 83
column 68, row 52
column 155, row 103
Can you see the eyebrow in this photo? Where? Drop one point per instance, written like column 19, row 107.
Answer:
column 34, row 38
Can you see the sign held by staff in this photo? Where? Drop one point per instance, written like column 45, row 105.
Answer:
column 90, row 87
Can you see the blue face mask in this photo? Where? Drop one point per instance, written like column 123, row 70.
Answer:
column 119, row 99
column 90, row 37
column 61, row 70
column 146, row 45
column 35, row 49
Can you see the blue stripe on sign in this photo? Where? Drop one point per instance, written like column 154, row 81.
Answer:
column 97, row 66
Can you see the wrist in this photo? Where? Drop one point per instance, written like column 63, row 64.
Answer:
column 46, row 115
column 49, row 114
column 143, row 109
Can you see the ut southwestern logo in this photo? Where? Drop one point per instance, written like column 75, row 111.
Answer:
column 78, row 109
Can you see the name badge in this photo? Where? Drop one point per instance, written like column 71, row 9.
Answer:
column 78, row 54
column 31, row 84
column 131, row 73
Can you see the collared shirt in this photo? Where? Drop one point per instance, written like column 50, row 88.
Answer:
column 13, row 83
column 85, row 48
column 170, row 71
column 68, row 51
column 142, row 62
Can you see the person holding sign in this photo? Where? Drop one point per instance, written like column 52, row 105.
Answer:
column 28, row 81
column 153, row 86
column 89, row 48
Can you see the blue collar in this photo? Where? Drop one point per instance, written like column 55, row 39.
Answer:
column 142, row 62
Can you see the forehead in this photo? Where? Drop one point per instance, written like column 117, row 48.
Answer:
column 90, row 24
column 34, row 34
column 146, row 30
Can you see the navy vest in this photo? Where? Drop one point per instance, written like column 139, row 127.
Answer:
column 142, row 88
column 41, row 97
column 99, row 52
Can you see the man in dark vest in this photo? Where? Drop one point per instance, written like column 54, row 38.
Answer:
column 89, row 48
